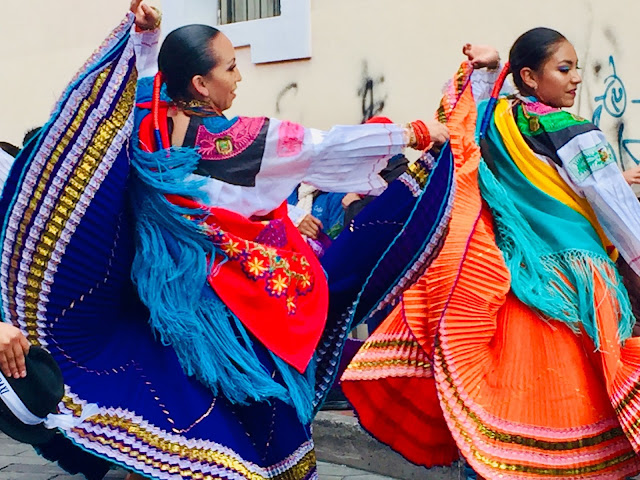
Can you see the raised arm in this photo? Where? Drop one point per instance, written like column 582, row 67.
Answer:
column 347, row 158
column 146, row 37
column 481, row 69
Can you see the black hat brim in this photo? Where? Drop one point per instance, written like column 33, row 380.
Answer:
column 32, row 434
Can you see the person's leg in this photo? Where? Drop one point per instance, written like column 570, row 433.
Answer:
column 135, row 476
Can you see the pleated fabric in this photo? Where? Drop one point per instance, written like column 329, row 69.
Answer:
column 390, row 382
column 521, row 396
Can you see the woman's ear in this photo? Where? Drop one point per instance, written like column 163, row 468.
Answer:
column 199, row 86
column 529, row 78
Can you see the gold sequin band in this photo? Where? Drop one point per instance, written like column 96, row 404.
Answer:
column 198, row 456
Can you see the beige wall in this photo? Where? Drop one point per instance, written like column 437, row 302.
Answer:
column 42, row 43
column 414, row 45
column 408, row 48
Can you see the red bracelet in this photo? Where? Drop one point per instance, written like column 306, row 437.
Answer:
column 423, row 137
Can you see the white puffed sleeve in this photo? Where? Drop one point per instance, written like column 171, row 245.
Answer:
column 146, row 45
column 6, row 161
column 342, row 159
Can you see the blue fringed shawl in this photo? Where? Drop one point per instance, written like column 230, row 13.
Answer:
column 170, row 271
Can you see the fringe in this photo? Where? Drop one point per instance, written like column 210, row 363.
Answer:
column 560, row 285
column 170, row 271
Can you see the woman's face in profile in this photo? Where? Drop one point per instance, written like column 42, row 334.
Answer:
column 221, row 81
column 556, row 82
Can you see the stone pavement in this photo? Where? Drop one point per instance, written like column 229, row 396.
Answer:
column 20, row 462
column 340, row 440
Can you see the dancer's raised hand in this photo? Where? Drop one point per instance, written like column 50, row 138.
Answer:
column 482, row 56
column 147, row 18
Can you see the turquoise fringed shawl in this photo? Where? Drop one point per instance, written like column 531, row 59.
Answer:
column 552, row 251
column 170, row 271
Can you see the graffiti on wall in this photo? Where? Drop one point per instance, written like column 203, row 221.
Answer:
column 371, row 100
column 290, row 89
column 369, row 92
column 611, row 106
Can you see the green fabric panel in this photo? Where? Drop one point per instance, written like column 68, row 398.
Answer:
column 550, row 122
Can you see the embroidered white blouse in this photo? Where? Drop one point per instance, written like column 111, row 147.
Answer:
column 346, row 158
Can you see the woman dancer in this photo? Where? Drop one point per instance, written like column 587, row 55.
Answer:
column 240, row 352
column 516, row 348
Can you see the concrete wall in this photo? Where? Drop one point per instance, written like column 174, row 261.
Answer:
column 381, row 56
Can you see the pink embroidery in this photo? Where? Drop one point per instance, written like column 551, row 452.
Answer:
column 240, row 135
column 539, row 108
column 290, row 138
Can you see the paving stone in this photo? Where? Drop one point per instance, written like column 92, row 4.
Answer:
column 48, row 468
column 24, row 476
column 30, row 458
column 340, row 440
column 115, row 475
column 329, row 469
column 364, row 476
column 9, row 448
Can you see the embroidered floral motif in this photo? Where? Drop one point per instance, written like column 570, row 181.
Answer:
column 278, row 285
column 291, row 306
column 230, row 142
column 232, row 249
column 285, row 274
column 255, row 268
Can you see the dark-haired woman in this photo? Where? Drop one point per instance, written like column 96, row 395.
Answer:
column 139, row 204
column 515, row 349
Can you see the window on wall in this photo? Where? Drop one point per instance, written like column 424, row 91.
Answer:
column 233, row 11
column 284, row 35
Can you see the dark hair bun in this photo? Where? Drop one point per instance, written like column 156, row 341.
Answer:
column 531, row 50
column 185, row 53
